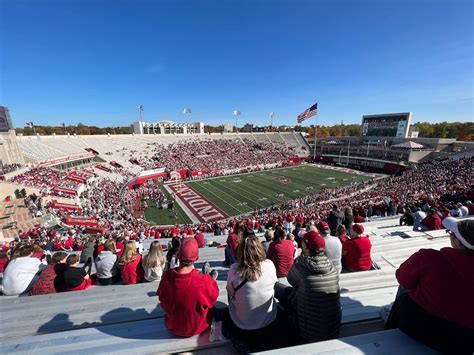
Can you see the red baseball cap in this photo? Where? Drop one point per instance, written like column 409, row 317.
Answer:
column 314, row 241
column 358, row 228
column 323, row 225
column 189, row 249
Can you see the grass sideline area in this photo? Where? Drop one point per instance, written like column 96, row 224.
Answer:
column 243, row 193
column 166, row 217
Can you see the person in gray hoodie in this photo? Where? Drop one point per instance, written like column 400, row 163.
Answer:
column 313, row 299
column 107, row 271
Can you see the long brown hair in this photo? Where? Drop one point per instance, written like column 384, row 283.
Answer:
column 129, row 253
column 154, row 257
column 250, row 253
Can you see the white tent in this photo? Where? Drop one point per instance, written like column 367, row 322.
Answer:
column 408, row 145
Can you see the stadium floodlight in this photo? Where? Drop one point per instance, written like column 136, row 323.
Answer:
column 272, row 114
column 141, row 108
column 236, row 114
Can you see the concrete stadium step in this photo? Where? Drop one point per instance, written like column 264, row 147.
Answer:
column 388, row 342
column 66, row 311
column 150, row 336
column 146, row 336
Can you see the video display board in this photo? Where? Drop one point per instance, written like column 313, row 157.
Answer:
column 5, row 121
column 386, row 125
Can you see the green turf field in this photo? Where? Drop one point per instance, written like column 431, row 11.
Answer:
column 244, row 193
column 165, row 217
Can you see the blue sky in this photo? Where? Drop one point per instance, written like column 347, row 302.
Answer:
column 95, row 61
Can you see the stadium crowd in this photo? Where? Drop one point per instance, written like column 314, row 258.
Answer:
column 46, row 179
column 310, row 241
column 214, row 156
column 8, row 168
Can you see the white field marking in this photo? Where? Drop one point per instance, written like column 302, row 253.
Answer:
column 181, row 204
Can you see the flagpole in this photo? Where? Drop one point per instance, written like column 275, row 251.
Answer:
column 315, row 138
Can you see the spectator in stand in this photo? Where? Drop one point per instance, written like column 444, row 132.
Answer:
column 464, row 210
column 281, row 252
column 268, row 239
column 334, row 219
column 3, row 260
column 130, row 263
column 154, row 262
column 88, row 250
column 341, row 233
column 434, row 304
column 172, row 260
column 333, row 245
column 313, row 299
column 407, row 218
column 470, row 207
column 186, row 295
column 356, row 250
column 418, row 216
column 200, row 239
column 22, row 272
column 107, row 271
column 51, row 279
column 252, row 319
column 235, row 236
column 432, row 222
column 77, row 278
column 456, row 210
column 348, row 217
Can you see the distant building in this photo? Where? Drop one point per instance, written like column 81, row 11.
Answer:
column 228, row 127
column 167, row 127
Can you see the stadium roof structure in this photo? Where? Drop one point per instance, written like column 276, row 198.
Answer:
column 408, row 145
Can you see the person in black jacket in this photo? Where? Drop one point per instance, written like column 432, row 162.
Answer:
column 335, row 218
column 313, row 301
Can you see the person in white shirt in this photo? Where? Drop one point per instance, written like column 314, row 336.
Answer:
column 22, row 272
column 333, row 245
column 154, row 262
column 463, row 209
column 253, row 319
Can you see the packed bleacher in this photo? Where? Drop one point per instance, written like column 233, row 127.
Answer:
column 8, row 168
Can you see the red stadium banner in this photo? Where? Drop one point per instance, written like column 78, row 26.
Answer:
column 199, row 173
column 65, row 191
column 82, row 221
column 96, row 230
column 64, row 206
column 294, row 160
column 104, row 168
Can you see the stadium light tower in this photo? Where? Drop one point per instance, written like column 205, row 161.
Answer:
column 272, row 114
column 187, row 111
column 236, row 114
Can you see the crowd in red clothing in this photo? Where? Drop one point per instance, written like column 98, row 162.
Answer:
column 214, row 156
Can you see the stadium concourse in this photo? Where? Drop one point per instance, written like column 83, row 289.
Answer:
column 99, row 210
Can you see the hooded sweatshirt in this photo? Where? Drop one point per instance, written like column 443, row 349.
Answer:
column 315, row 300
column 441, row 282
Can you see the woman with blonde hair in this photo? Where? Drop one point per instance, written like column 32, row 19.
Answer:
column 250, row 286
column 154, row 262
column 130, row 264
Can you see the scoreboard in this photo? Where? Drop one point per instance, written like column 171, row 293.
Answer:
column 386, row 125
column 5, row 120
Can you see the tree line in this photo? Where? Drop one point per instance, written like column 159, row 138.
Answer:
column 463, row 131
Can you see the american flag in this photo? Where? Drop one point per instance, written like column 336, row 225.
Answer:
column 29, row 124
column 309, row 112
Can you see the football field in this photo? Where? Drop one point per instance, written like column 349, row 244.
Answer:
column 239, row 194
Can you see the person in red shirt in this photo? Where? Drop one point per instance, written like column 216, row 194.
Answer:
column 200, row 239
column 186, row 295
column 282, row 252
column 232, row 243
column 341, row 233
column 3, row 260
column 356, row 250
column 434, row 303
column 130, row 263
column 51, row 278
column 432, row 222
